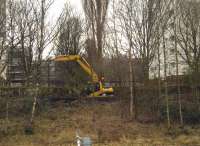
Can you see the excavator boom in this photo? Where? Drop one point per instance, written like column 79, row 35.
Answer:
column 82, row 62
column 98, row 88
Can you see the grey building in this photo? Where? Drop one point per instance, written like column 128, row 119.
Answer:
column 2, row 36
column 2, row 19
column 15, row 72
column 2, row 16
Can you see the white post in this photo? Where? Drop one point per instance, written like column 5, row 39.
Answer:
column 78, row 139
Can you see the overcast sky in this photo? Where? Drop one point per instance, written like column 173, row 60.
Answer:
column 55, row 11
column 58, row 5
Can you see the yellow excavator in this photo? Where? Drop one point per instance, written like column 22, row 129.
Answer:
column 96, row 88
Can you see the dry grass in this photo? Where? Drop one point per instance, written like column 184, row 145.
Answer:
column 102, row 122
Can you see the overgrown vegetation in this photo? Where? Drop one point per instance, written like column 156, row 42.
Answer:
column 148, row 50
column 105, row 123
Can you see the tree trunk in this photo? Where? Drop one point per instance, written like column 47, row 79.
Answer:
column 146, row 71
column 7, row 116
column 159, row 80
column 99, row 49
column 177, row 71
column 131, row 83
column 41, row 43
column 165, row 76
column 34, row 105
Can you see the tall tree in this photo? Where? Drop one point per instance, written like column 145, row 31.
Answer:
column 96, row 11
column 176, row 2
column 69, row 32
column 188, row 36
column 165, row 77
column 164, row 24
column 140, row 22
column 27, row 34
column 126, row 16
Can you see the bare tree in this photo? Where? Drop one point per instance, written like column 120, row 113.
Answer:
column 27, row 35
column 166, row 13
column 12, row 38
column 69, row 32
column 114, row 38
column 126, row 14
column 188, row 28
column 141, row 21
column 165, row 77
column 175, row 7
column 96, row 12
column 44, row 37
column 27, row 31
column 144, row 26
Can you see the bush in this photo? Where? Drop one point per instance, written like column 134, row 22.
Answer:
column 191, row 113
column 27, row 105
column 28, row 129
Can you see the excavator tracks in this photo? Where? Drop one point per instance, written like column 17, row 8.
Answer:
column 101, row 98
column 85, row 99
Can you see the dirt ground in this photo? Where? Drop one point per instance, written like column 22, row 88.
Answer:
column 103, row 122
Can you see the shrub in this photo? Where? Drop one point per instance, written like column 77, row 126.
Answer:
column 191, row 113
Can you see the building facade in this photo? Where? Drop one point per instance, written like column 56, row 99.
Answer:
column 2, row 37
column 17, row 76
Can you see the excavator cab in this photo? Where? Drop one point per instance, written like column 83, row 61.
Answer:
column 92, row 87
column 99, row 89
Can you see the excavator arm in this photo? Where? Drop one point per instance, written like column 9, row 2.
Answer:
column 99, row 89
column 82, row 62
